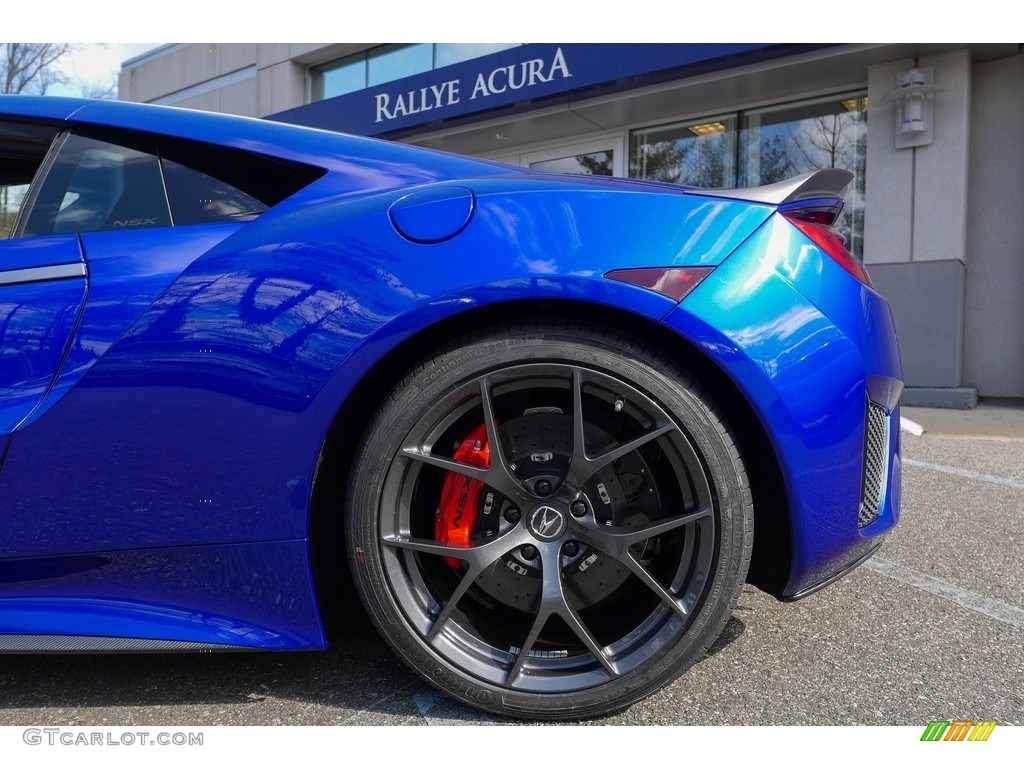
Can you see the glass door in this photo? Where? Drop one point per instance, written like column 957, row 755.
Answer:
column 601, row 157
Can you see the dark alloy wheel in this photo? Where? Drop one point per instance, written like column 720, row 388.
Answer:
column 549, row 521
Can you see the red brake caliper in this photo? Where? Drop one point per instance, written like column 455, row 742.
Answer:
column 460, row 495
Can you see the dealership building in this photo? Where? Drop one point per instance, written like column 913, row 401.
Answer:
column 931, row 133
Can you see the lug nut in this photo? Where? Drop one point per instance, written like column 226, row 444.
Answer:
column 578, row 508
column 571, row 549
column 543, row 487
column 529, row 552
column 512, row 515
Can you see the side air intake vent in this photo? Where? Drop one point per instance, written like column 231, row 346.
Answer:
column 876, row 445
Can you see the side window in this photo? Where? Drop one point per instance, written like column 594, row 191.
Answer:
column 207, row 183
column 111, row 179
column 197, row 198
column 95, row 185
column 23, row 147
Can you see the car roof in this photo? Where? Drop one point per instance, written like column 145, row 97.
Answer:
column 327, row 149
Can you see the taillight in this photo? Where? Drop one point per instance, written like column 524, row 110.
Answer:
column 816, row 224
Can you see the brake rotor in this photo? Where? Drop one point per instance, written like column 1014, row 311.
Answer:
column 538, row 446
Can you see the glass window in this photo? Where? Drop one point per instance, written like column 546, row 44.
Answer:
column 94, row 185
column 395, row 62
column 11, row 198
column 590, row 164
column 453, row 53
column 23, row 148
column 197, row 198
column 207, row 183
column 771, row 144
column 338, row 79
column 391, row 62
column 128, row 180
column 785, row 141
column 699, row 153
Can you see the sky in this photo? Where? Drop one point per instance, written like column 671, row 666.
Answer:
column 96, row 64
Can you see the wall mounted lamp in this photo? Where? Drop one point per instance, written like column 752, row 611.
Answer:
column 914, row 97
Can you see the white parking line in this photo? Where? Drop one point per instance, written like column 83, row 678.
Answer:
column 964, row 473
column 994, row 609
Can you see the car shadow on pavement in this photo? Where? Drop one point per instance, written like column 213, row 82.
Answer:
column 358, row 680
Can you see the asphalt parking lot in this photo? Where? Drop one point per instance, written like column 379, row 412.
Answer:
column 931, row 628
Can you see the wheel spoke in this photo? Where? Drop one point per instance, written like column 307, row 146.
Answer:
column 442, row 462
column 616, row 542
column 597, row 462
column 579, row 443
column 467, row 580
column 627, row 539
column 584, row 466
column 617, row 545
column 655, row 586
column 524, row 653
column 490, row 422
column 478, row 557
column 555, row 602
column 572, row 618
column 497, row 476
column 500, row 475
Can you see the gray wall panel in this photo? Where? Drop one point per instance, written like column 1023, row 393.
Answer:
column 994, row 334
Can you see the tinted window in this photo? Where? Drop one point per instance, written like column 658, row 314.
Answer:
column 95, row 185
column 197, row 198
column 23, row 148
column 108, row 179
column 237, row 182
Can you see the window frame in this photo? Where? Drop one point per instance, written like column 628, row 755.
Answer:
column 28, row 202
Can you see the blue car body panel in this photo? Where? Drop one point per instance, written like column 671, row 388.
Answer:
column 37, row 319
column 160, row 460
column 808, row 373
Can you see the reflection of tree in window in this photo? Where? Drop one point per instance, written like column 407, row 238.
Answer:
column 656, row 161
column 22, row 149
column 826, row 133
column 596, row 164
column 775, row 144
column 11, row 197
column 698, row 154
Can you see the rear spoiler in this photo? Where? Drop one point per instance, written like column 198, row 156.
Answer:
column 828, row 182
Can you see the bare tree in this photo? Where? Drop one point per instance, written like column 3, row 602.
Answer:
column 31, row 67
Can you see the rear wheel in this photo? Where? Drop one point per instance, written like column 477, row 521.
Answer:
column 549, row 521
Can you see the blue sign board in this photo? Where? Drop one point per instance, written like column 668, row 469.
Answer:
column 527, row 73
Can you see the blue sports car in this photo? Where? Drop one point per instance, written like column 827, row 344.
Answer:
column 546, row 427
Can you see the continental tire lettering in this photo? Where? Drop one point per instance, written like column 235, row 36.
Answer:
column 460, row 687
column 426, row 379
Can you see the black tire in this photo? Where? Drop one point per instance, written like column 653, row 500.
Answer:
column 611, row 595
